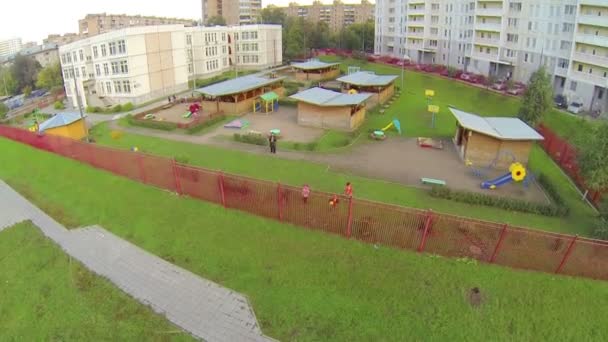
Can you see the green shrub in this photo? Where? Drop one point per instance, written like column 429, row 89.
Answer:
column 499, row 202
column 199, row 127
column 127, row 107
column 58, row 105
column 297, row 146
column 288, row 102
column 90, row 109
column 311, row 146
column 550, row 189
column 162, row 125
column 250, row 138
column 182, row 159
column 452, row 71
column 117, row 108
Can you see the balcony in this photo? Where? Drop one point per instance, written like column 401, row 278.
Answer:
column 417, row 23
column 416, row 34
column 600, row 3
column 485, row 56
column 416, row 12
column 487, row 41
column 490, row 27
column 589, row 78
column 592, row 39
column 563, row 72
column 591, row 59
column 489, row 12
column 593, row 20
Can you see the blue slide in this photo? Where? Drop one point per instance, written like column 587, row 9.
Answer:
column 494, row 183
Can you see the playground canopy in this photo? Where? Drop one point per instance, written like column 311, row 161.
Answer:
column 316, row 70
column 381, row 87
column 66, row 124
column 497, row 141
column 269, row 96
column 329, row 109
column 237, row 85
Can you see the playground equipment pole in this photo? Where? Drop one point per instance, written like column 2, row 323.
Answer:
column 78, row 103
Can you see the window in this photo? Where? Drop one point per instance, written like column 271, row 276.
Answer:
column 190, row 68
column 75, row 57
column 97, row 70
column 103, row 50
column 189, row 39
column 525, row 57
column 124, row 68
column 77, row 73
column 112, row 48
column 108, row 87
column 105, row 69
column 529, row 26
column 115, row 68
column 84, row 72
column 567, row 27
column 569, row 10
column 63, row 60
column 117, row 87
column 512, row 37
column 573, row 85
column 122, row 48
column 81, row 55
column 224, row 49
column 126, row 87
column 580, row 67
column 95, row 54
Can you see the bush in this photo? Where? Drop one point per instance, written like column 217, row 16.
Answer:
column 116, row 109
column 127, row 107
column 452, row 71
column 288, row 102
column 551, row 190
column 250, row 138
column 199, row 127
column 3, row 110
column 90, row 109
column 162, row 125
column 58, row 105
column 499, row 202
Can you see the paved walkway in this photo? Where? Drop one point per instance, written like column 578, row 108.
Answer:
column 202, row 308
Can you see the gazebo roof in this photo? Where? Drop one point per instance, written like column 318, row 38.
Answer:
column 502, row 128
column 313, row 65
column 366, row 78
column 237, row 85
column 327, row 98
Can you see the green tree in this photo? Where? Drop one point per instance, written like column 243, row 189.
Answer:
column 537, row 99
column 50, row 77
column 25, row 71
column 3, row 110
column 591, row 157
column 318, row 35
column 359, row 36
column 272, row 15
column 8, row 85
column 27, row 90
column 294, row 41
column 217, row 20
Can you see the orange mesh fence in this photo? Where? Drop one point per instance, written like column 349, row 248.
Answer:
column 362, row 220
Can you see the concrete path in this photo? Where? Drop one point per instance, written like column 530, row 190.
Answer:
column 200, row 307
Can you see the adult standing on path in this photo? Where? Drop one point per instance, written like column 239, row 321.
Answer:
column 272, row 141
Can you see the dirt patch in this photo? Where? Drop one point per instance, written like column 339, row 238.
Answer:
column 475, row 297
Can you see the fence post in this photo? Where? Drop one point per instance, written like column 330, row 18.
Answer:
column 142, row 170
column 503, row 232
column 178, row 187
column 349, row 222
column 221, row 185
column 425, row 233
column 566, row 255
column 279, row 201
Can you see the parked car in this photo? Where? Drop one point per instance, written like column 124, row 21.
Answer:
column 575, row 107
column 561, row 102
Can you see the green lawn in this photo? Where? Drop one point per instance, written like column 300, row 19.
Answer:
column 304, row 285
column 297, row 172
column 46, row 296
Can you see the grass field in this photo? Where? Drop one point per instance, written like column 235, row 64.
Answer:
column 308, row 286
column 46, row 296
column 294, row 172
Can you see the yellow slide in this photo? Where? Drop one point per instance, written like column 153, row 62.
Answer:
column 388, row 126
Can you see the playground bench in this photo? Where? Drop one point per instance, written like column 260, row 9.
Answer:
column 432, row 181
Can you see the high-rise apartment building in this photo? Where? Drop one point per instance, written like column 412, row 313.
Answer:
column 235, row 12
column 507, row 39
column 140, row 64
column 94, row 24
column 10, row 47
column 337, row 14
column 61, row 39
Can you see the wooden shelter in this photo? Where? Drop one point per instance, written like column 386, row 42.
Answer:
column 382, row 87
column 493, row 141
column 315, row 70
column 324, row 108
column 66, row 124
column 237, row 96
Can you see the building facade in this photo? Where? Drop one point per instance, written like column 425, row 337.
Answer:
column 94, row 24
column 46, row 54
column 61, row 39
column 141, row 64
column 337, row 14
column 506, row 39
column 235, row 12
column 10, row 47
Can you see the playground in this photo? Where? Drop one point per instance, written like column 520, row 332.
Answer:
column 177, row 113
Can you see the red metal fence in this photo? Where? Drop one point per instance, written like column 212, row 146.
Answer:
column 366, row 221
column 564, row 155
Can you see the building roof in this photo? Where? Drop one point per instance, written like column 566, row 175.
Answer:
column 326, row 98
column 237, row 85
column 60, row 119
column 38, row 49
column 312, row 64
column 500, row 128
column 366, row 78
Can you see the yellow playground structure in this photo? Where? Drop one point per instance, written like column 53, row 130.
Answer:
column 266, row 103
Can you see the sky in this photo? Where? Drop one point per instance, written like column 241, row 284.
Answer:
column 34, row 20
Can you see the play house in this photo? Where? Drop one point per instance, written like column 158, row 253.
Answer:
column 67, row 124
column 266, row 103
column 315, row 70
column 382, row 87
column 496, row 141
column 324, row 108
column 237, row 96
